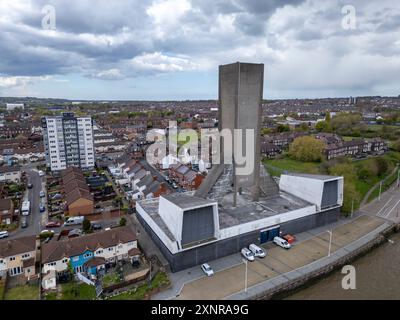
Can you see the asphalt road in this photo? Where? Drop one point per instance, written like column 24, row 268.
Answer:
column 156, row 173
column 35, row 218
column 387, row 207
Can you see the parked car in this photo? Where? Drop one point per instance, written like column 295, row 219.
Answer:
column 41, row 194
column 96, row 226
column 74, row 221
column 75, row 233
column 257, row 251
column 41, row 173
column 174, row 185
column 282, row 242
column 24, row 222
column 47, row 231
column 3, row 234
column 247, row 254
column 289, row 238
column 42, row 207
column 207, row 269
column 56, row 196
column 53, row 224
column 30, row 186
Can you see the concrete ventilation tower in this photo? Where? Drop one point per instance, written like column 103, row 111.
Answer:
column 240, row 100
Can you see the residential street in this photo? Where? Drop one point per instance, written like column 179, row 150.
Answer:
column 35, row 218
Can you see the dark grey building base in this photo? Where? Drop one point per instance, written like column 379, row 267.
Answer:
column 222, row 248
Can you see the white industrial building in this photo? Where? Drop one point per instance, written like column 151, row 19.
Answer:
column 190, row 230
column 68, row 141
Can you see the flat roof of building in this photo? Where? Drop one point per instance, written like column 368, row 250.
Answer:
column 246, row 211
column 186, row 201
column 313, row 176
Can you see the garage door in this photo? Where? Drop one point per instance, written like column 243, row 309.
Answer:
column 269, row 234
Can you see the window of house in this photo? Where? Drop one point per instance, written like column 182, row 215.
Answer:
column 75, row 258
column 12, row 258
column 110, row 249
column 26, row 255
column 64, row 260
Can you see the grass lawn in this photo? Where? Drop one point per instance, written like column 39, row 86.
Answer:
column 291, row 165
column 27, row 292
column 110, row 279
column 77, row 291
column 160, row 280
column 51, row 296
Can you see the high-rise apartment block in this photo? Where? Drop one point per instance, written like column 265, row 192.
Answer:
column 68, row 141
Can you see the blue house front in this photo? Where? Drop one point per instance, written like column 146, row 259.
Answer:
column 78, row 261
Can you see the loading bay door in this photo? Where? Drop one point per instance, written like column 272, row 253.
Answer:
column 269, row 234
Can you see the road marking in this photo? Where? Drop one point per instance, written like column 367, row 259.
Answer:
column 392, row 209
column 385, row 205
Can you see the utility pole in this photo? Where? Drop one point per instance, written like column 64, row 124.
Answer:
column 380, row 190
column 398, row 178
column 330, row 242
column 245, row 276
column 352, row 207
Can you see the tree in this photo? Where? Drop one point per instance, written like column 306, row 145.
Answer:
column 306, row 148
column 382, row 165
column 282, row 128
column 396, row 145
column 122, row 222
column 350, row 194
column 86, row 225
column 322, row 126
column 328, row 117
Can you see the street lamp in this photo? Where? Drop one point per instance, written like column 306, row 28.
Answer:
column 245, row 276
column 380, row 190
column 330, row 242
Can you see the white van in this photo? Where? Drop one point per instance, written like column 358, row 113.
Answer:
column 257, row 251
column 247, row 254
column 74, row 221
column 282, row 243
column 3, row 234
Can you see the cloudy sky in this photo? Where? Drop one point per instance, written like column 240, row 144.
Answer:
column 171, row 49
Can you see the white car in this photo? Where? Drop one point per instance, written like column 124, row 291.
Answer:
column 47, row 231
column 282, row 243
column 207, row 269
column 3, row 234
column 257, row 251
column 41, row 194
column 41, row 173
column 247, row 254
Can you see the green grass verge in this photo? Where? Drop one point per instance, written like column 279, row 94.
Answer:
column 77, row 291
column 159, row 280
column 291, row 165
column 27, row 292
column 110, row 279
column 51, row 296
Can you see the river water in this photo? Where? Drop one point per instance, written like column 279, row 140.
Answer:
column 377, row 277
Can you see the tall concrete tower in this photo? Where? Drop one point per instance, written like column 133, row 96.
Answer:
column 240, row 99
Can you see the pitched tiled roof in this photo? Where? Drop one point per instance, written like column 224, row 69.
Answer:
column 56, row 250
column 76, row 194
column 17, row 246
